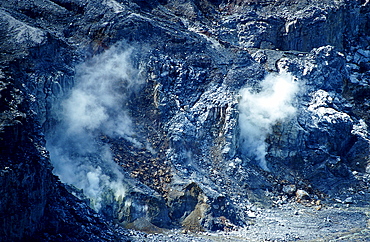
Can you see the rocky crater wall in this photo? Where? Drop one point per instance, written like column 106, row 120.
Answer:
column 182, row 162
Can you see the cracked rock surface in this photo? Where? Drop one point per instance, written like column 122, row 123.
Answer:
column 184, row 159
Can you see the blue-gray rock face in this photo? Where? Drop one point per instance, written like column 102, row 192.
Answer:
column 176, row 114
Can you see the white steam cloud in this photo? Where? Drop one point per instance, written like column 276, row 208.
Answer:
column 95, row 107
column 259, row 111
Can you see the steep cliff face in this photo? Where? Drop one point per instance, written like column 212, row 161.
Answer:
column 176, row 114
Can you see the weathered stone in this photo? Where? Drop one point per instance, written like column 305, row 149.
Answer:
column 183, row 161
column 289, row 189
column 348, row 200
column 302, row 195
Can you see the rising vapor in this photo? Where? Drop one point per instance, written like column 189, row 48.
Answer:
column 95, row 107
column 259, row 111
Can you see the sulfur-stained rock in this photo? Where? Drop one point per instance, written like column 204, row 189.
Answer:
column 181, row 156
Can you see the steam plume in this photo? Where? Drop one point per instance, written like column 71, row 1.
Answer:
column 259, row 111
column 95, row 107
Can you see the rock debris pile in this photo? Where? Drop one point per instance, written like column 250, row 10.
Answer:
column 188, row 147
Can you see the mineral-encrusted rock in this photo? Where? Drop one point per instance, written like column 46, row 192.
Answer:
column 183, row 163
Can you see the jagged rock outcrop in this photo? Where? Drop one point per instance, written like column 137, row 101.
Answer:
column 183, row 161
